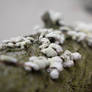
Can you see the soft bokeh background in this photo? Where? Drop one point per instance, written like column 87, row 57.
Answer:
column 18, row 17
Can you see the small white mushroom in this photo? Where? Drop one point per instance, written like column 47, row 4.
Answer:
column 57, row 47
column 54, row 74
column 57, row 65
column 56, row 59
column 56, row 62
column 43, row 32
column 49, row 52
column 68, row 60
column 76, row 56
column 38, row 62
column 72, row 34
column 58, row 37
column 30, row 38
column 45, row 41
column 27, row 41
column 29, row 65
column 69, row 63
column 66, row 55
column 45, row 60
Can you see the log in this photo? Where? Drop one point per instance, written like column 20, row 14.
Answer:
column 75, row 79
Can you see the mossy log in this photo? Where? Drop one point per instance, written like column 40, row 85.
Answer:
column 75, row 79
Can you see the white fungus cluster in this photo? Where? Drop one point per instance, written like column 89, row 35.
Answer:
column 54, row 65
column 36, row 63
column 55, row 60
column 69, row 58
column 78, row 36
column 85, row 28
column 50, row 40
column 80, row 32
column 17, row 42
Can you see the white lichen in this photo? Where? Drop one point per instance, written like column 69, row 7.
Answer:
column 45, row 43
column 69, row 58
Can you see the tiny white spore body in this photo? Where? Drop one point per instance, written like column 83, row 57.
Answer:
column 76, row 56
column 49, row 52
column 37, row 63
column 54, row 74
column 31, row 65
column 58, row 37
column 69, row 63
column 8, row 58
column 45, row 41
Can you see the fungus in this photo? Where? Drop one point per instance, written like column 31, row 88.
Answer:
column 49, row 52
column 36, row 63
column 58, row 37
column 54, row 74
column 56, row 62
column 68, row 63
column 8, row 59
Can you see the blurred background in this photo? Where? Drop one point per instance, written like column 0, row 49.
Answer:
column 18, row 17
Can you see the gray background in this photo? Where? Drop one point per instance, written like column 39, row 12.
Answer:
column 18, row 17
